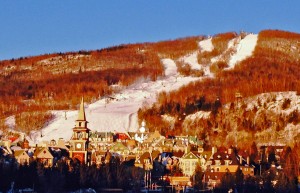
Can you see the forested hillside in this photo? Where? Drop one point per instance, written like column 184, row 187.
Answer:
column 30, row 86
column 213, row 107
column 273, row 67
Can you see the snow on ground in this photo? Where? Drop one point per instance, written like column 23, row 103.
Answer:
column 275, row 100
column 118, row 113
column 244, row 49
column 231, row 47
column 206, row 45
column 192, row 60
column 199, row 115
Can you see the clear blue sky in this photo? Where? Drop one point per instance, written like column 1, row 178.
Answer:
column 31, row 27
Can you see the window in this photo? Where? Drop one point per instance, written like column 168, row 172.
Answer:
column 23, row 161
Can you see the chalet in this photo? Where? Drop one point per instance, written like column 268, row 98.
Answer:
column 119, row 148
column 188, row 163
column 21, row 156
column 43, row 155
column 223, row 162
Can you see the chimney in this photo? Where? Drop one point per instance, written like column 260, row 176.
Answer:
column 187, row 149
column 241, row 159
column 213, row 150
column 248, row 160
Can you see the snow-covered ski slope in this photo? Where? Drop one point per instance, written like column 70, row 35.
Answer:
column 244, row 49
column 119, row 112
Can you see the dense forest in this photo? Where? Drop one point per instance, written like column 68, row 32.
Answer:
column 273, row 67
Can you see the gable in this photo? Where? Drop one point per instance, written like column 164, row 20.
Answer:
column 20, row 154
column 44, row 153
column 190, row 155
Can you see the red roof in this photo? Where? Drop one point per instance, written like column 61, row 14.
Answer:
column 13, row 138
column 122, row 136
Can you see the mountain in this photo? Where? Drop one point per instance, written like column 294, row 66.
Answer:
column 186, row 86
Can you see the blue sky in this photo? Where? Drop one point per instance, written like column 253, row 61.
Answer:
column 30, row 27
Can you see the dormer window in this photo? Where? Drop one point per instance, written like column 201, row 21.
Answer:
column 226, row 162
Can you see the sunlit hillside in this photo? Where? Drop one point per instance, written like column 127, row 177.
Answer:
column 273, row 67
column 184, row 86
column 34, row 85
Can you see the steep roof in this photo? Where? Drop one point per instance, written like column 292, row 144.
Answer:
column 118, row 146
column 42, row 152
column 190, row 155
column 81, row 113
column 17, row 153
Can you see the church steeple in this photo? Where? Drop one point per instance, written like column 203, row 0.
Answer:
column 79, row 142
column 81, row 121
column 81, row 113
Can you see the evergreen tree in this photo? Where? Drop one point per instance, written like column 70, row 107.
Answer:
column 239, row 178
column 227, row 181
column 253, row 152
column 197, row 178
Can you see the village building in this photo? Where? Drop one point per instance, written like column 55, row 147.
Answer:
column 79, row 142
column 21, row 156
column 142, row 133
column 43, row 156
column 120, row 148
column 188, row 163
column 223, row 162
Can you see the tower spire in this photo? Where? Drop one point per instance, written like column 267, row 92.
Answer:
column 81, row 113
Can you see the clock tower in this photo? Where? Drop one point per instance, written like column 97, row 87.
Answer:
column 80, row 138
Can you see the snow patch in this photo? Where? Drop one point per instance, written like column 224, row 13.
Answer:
column 199, row 115
column 206, row 45
column 192, row 60
column 244, row 49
